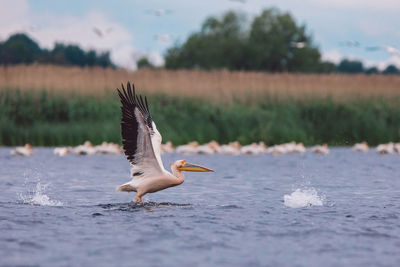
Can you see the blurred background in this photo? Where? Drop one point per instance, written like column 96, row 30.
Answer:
column 245, row 70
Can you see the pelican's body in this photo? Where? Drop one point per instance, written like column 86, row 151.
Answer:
column 142, row 145
column 26, row 150
column 361, row 147
column 388, row 148
column 62, row 151
column 323, row 150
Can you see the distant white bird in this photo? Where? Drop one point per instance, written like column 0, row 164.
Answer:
column 62, row 151
column 167, row 148
column 159, row 12
column 108, row 148
column 397, row 148
column 386, row 148
column 361, row 147
column 233, row 148
column 318, row 149
column 163, row 37
column 351, row 43
column 86, row 149
column 254, row 149
column 298, row 44
column 26, row 150
column 389, row 49
column 190, row 148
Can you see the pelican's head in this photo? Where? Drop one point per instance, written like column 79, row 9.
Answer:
column 183, row 165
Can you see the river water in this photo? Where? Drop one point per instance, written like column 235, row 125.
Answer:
column 342, row 209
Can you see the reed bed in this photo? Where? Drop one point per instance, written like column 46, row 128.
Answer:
column 217, row 86
column 52, row 105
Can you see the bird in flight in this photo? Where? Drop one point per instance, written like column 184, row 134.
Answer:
column 141, row 142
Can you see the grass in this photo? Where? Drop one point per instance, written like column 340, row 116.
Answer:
column 54, row 118
column 249, row 88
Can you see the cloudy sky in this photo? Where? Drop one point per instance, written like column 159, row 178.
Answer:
column 133, row 28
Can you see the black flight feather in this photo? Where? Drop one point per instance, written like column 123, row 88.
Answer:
column 129, row 123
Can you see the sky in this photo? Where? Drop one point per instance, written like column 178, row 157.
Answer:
column 131, row 29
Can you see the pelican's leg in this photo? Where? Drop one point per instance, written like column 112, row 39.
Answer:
column 138, row 198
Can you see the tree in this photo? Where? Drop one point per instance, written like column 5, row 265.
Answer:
column 219, row 44
column 271, row 40
column 19, row 48
column 144, row 63
column 349, row 66
column 267, row 45
column 391, row 69
column 372, row 70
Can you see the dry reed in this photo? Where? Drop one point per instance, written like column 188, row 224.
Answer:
column 220, row 86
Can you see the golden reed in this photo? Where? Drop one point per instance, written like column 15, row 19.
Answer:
column 220, row 86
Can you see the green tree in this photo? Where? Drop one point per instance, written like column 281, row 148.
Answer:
column 144, row 63
column 266, row 45
column 19, row 48
column 219, row 44
column 272, row 42
column 372, row 70
column 391, row 69
column 349, row 66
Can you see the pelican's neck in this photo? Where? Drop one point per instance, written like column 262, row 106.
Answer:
column 178, row 174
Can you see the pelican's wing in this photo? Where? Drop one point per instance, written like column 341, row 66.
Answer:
column 140, row 138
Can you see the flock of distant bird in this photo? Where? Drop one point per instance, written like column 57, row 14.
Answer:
column 388, row 49
column 193, row 148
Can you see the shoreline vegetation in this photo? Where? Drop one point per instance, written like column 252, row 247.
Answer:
column 49, row 105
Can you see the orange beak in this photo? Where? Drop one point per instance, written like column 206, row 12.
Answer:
column 190, row 167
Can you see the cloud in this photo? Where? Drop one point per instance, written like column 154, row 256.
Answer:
column 83, row 31
column 332, row 55
column 13, row 18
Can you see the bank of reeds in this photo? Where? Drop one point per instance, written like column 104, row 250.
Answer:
column 248, row 88
column 43, row 118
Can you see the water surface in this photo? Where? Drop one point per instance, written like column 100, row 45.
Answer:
column 290, row 210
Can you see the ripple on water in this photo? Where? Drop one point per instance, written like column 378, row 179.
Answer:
column 133, row 206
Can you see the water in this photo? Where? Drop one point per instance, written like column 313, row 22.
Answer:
column 291, row 210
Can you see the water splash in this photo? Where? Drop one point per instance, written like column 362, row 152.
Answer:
column 301, row 198
column 37, row 196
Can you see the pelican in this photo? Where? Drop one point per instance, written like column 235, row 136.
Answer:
column 361, row 147
column 62, row 151
column 320, row 149
column 26, row 150
column 141, row 143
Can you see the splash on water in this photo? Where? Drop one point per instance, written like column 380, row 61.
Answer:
column 301, row 198
column 37, row 196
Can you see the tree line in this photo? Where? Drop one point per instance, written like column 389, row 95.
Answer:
column 21, row 49
column 271, row 42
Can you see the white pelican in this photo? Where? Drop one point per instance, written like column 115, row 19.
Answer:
column 108, row 148
column 361, row 147
column 142, row 145
column 233, row 148
column 26, row 150
column 254, row 149
column 62, row 151
column 167, row 147
column 323, row 150
column 86, row 149
column 397, row 148
column 386, row 148
column 188, row 149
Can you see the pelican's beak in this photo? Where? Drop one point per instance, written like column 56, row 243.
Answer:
column 189, row 167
